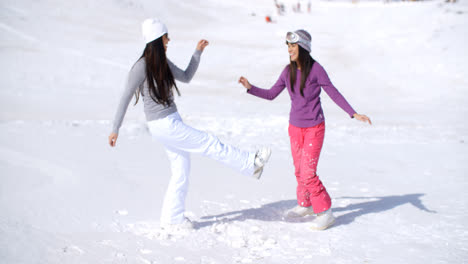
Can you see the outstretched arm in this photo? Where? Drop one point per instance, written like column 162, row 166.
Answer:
column 336, row 96
column 187, row 74
column 268, row 94
column 135, row 78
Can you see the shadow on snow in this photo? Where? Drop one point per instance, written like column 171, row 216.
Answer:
column 275, row 211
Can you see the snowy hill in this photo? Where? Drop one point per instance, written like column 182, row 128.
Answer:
column 398, row 187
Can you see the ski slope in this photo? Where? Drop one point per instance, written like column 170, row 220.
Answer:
column 398, row 187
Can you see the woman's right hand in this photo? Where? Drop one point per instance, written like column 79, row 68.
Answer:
column 245, row 82
column 113, row 139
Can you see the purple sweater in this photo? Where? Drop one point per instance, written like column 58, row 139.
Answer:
column 305, row 111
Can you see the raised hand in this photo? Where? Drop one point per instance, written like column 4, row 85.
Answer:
column 202, row 44
column 245, row 82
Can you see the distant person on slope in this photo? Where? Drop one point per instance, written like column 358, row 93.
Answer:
column 153, row 76
column 304, row 78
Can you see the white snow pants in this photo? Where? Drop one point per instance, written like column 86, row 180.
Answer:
column 180, row 140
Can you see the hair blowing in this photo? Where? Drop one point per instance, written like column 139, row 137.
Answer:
column 157, row 70
column 306, row 62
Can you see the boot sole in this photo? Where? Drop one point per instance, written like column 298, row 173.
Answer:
column 258, row 173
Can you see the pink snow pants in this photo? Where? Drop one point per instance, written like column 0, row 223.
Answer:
column 306, row 144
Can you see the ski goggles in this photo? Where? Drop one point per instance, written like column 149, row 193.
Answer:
column 292, row 37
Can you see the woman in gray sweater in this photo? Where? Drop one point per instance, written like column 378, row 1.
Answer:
column 153, row 76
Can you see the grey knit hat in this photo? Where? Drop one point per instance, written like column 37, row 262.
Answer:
column 301, row 37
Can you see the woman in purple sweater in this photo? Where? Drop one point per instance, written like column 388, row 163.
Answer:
column 304, row 78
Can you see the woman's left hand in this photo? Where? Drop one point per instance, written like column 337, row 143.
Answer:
column 202, row 44
column 362, row 118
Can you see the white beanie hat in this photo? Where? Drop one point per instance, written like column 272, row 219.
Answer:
column 152, row 29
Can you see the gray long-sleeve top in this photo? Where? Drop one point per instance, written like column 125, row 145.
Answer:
column 137, row 80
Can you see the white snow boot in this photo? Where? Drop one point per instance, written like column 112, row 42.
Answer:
column 299, row 211
column 261, row 158
column 182, row 228
column 323, row 220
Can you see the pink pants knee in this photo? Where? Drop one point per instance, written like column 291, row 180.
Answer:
column 306, row 144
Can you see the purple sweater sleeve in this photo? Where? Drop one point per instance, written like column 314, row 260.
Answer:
column 334, row 94
column 273, row 92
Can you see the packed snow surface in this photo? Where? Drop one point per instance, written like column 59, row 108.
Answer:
column 398, row 187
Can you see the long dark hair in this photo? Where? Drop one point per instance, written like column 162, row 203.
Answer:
column 157, row 70
column 306, row 62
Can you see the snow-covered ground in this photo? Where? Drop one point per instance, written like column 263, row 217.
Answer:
column 398, row 186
